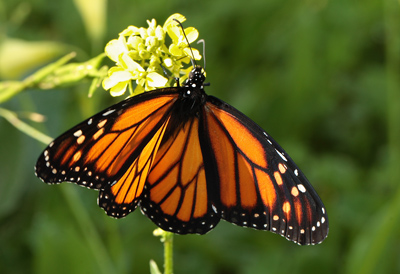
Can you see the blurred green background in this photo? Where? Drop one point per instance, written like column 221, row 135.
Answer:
column 322, row 77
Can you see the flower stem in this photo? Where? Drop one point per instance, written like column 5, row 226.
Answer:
column 168, row 252
column 167, row 239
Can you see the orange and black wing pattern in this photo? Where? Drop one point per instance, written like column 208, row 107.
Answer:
column 188, row 160
column 177, row 196
column 111, row 151
column 258, row 184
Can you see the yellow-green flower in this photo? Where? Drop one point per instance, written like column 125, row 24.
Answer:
column 115, row 48
column 128, row 70
column 117, row 81
column 179, row 47
column 140, row 54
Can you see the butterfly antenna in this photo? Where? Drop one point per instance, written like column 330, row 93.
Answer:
column 204, row 51
column 187, row 41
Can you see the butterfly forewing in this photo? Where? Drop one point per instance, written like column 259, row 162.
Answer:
column 99, row 150
column 259, row 185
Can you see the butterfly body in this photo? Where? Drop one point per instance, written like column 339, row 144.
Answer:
column 187, row 160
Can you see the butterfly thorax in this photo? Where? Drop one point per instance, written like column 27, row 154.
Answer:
column 192, row 96
column 190, row 102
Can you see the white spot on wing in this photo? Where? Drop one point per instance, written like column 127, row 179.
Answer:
column 108, row 112
column 281, row 155
column 78, row 133
column 301, row 188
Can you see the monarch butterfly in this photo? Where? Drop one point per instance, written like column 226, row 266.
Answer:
column 187, row 160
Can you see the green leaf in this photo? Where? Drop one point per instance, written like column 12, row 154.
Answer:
column 94, row 16
column 18, row 57
column 154, row 268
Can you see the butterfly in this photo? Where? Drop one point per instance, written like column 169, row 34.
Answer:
column 187, row 160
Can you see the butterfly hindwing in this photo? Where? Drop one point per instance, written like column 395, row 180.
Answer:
column 122, row 196
column 176, row 196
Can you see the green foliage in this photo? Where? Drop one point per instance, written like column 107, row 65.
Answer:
column 320, row 76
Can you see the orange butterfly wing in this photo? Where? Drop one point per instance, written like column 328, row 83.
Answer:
column 223, row 165
column 111, row 151
column 176, row 196
column 259, row 184
column 121, row 197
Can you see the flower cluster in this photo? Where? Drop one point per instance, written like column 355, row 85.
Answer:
column 142, row 55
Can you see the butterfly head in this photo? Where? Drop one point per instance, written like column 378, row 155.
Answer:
column 196, row 78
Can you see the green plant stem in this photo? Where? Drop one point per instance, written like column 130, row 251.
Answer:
column 10, row 89
column 168, row 252
column 167, row 239
column 24, row 127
